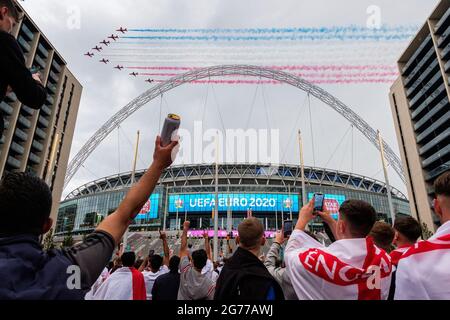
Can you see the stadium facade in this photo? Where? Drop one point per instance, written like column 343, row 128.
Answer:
column 271, row 194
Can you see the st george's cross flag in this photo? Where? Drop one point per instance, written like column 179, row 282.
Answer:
column 350, row 269
column 124, row 284
column 423, row 271
column 398, row 253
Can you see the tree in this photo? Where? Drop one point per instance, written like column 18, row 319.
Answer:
column 48, row 243
column 68, row 240
column 426, row 233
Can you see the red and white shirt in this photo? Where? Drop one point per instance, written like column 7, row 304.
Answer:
column 398, row 253
column 124, row 284
column 350, row 269
column 423, row 272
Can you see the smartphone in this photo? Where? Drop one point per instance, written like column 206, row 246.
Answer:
column 318, row 201
column 151, row 253
column 171, row 124
column 287, row 228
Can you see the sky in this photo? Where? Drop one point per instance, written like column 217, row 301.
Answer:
column 75, row 26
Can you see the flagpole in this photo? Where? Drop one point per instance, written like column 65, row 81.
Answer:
column 302, row 167
column 216, row 213
column 133, row 173
column 386, row 178
column 290, row 204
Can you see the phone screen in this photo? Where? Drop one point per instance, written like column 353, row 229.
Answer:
column 151, row 253
column 287, row 228
column 318, row 202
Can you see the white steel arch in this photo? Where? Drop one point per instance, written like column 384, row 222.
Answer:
column 225, row 70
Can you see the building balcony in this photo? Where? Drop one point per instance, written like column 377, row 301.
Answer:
column 6, row 108
column 21, row 135
column 433, row 174
column 426, row 88
column 54, row 77
column 444, row 39
column 417, row 55
column 57, row 66
column 28, row 33
column 50, row 100
column 444, row 104
column 24, row 122
column 46, row 110
column 442, row 23
column 425, row 62
column 442, row 121
column 40, row 61
column 441, row 137
column 38, row 146
column 17, row 148
column 44, row 52
column 43, row 121
column 423, row 78
column 13, row 162
column 51, row 88
column 34, row 158
column 435, row 157
column 41, row 133
column 429, row 101
column 24, row 44
column 28, row 110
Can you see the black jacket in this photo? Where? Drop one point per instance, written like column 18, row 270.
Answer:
column 244, row 277
column 166, row 287
column 15, row 74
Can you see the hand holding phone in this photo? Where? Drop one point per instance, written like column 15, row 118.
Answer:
column 318, row 202
column 287, row 228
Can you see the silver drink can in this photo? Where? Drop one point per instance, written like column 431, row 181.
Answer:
column 171, row 124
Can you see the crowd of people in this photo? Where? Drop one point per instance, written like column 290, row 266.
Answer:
column 366, row 260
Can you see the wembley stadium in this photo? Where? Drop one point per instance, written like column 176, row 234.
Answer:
column 188, row 192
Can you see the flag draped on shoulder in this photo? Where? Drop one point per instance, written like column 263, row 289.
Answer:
column 348, row 269
column 423, row 270
column 124, row 284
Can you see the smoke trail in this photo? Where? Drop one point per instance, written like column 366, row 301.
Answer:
column 287, row 67
column 335, row 30
column 344, row 37
column 305, row 75
column 253, row 82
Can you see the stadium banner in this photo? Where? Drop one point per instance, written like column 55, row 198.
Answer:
column 150, row 210
column 332, row 202
column 266, row 202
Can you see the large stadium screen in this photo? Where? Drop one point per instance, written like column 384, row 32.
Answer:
column 332, row 203
column 150, row 208
column 234, row 202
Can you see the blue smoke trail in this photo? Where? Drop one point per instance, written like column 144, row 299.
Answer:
column 349, row 37
column 410, row 30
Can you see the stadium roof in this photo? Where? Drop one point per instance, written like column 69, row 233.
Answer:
column 241, row 174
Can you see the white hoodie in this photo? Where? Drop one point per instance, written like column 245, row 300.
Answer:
column 348, row 269
column 424, row 270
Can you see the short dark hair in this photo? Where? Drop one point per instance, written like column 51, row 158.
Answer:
column 13, row 12
column 250, row 232
column 408, row 227
column 155, row 261
column 174, row 263
column 360, row 216
column 199, row 258
column 442, row 185
column 25, row 204
column 128, row 259
column 383, row 235
column 138, row 263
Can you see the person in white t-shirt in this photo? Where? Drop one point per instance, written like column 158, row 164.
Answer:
column 155, row 266
column 423, row 271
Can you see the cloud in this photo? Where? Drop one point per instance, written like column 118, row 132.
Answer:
column 106, row 91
